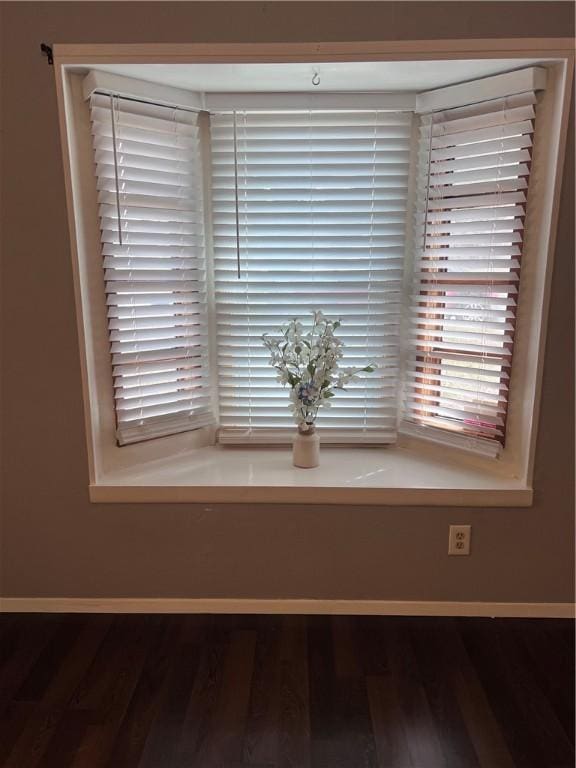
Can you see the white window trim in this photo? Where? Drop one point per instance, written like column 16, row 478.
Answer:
column 107, row 461
column 392, row 475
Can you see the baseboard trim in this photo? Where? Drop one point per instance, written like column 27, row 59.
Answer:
column 289, row 606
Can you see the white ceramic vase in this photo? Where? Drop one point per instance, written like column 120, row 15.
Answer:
column 306, row 449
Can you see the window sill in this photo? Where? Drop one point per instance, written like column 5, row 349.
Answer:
column 392, row 476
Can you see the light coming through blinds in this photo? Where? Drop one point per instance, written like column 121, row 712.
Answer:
column 150, row 205
column 318, row 222
column 471, row 203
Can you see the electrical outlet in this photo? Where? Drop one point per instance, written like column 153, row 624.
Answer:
column 459, row 539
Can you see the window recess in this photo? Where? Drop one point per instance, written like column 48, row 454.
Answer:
column 307, row 208
column 473, row 177
column 149, row 181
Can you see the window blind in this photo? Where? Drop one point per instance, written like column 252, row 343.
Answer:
column 148, row 173
column 474, row 170
column 308, row 213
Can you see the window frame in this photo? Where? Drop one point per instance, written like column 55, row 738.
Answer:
column 104, row 456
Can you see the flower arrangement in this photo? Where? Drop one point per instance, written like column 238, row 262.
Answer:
column 308, row 362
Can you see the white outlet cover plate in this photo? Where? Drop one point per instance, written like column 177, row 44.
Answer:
column 459, row 539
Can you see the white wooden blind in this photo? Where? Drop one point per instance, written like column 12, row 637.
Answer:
column 474, row 170
column 310, row 208
column 147, row 164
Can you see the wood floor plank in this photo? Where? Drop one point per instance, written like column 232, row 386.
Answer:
column 63, row 746
column 423, row 738
column 145, row 701
column 294, row 736
column 389, row 725
column 391, row 732
column 224, row 744
column 353, row 707
column 326, row 736
column 55, row 654
column 166, row 726
column 203, row 698
column 372, row 634
column 34, row 738
column 486, row 735
column 435, row 667
column 74, row 664
column 11, row 628
column 261, row 738
column 35, row 635
column 15, row 717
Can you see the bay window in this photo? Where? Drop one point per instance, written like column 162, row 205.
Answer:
column 413, row 217
column 308, row 211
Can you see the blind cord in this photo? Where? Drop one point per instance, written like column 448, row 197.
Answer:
column 113, row 120
column 236, row 203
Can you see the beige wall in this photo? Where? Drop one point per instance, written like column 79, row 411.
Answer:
column 55, row 543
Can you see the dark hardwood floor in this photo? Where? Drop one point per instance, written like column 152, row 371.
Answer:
column 86, row 691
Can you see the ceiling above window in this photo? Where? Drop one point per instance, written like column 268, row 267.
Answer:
column 386, row 76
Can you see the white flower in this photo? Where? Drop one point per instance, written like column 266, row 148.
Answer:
column 308, row 363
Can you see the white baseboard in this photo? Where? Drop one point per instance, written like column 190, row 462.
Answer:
column 289, row 606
